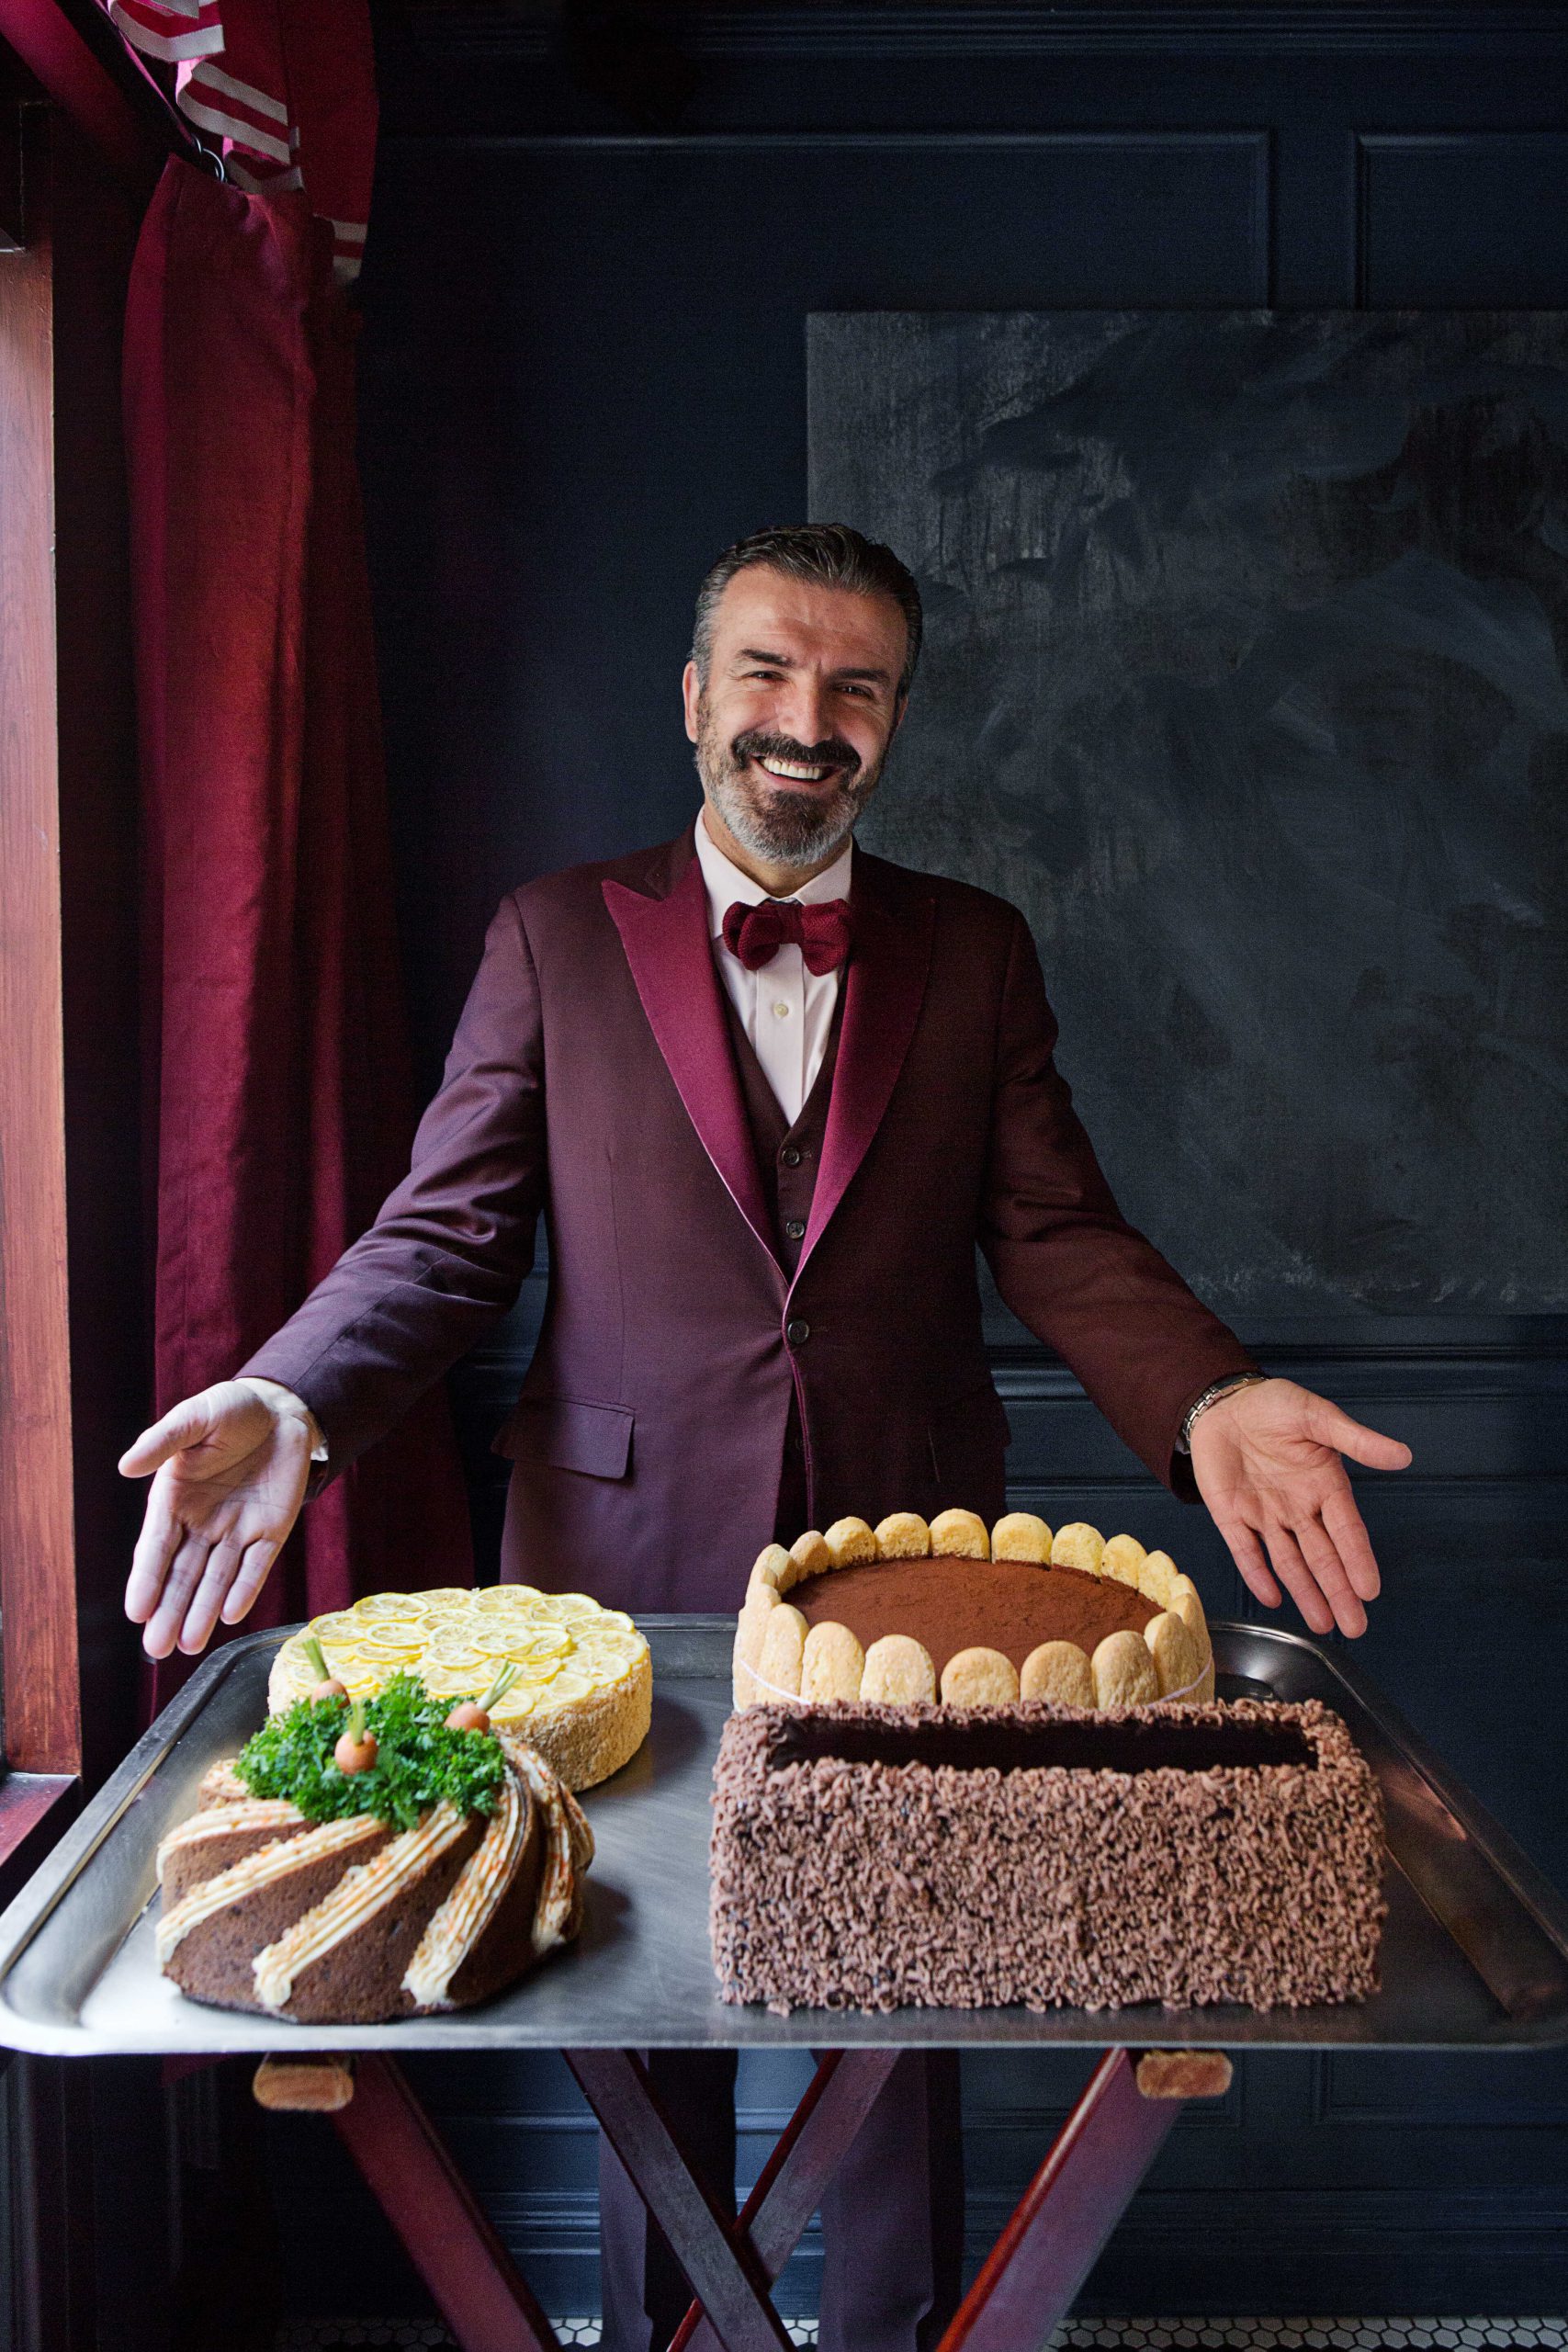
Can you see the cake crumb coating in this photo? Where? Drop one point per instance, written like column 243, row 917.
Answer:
column 874, row 1884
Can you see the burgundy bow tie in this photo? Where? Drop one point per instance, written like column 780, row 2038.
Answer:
column 821, row 933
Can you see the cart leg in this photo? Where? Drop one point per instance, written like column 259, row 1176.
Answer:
column 1034, row 2272
column 481, row 2294
column 789, row 2187
column 725, row 2276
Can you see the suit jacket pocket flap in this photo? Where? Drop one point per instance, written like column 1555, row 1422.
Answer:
column 569, row 1435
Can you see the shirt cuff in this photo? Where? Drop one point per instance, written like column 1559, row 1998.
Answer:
column 274, row 1392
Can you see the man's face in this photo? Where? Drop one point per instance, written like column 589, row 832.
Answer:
column 792, row 725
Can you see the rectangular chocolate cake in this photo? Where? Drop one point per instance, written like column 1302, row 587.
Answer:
column 868, row 1857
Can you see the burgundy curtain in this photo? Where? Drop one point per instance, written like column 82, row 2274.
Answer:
column 281, row 1110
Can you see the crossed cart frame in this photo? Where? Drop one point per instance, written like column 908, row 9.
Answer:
column 1026, row 2285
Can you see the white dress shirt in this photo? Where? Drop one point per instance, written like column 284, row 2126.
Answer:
column 785, row 1010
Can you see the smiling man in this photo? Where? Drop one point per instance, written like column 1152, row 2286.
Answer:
column 771, row 1093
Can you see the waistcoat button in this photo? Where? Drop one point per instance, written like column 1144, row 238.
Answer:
column 797, row 1332
column 795, row 1228
column 790, row 1156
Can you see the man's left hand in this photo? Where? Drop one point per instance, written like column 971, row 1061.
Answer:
column 1267, row 1459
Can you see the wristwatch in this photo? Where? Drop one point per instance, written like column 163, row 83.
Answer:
column 1211, row 1396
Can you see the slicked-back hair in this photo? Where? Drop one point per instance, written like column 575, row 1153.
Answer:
column 829, row 555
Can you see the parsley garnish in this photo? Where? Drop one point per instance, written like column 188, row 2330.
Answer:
column 418, row 1760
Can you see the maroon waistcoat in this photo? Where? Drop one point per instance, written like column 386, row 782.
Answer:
column 788, row 1157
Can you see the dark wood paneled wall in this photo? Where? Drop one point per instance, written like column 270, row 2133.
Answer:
column 584, row 374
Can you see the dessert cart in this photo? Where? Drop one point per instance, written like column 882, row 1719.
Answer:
column 1475, row 1957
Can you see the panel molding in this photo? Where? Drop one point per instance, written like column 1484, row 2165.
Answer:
column 959, row 140
column 1334, row 2107
column 1028, row 29
column 1375, row 146
column 1418, row 1375
column 566, row 2220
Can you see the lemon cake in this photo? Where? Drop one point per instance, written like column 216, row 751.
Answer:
column 584, row 1683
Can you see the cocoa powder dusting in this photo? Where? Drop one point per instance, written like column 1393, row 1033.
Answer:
column 952, row 1605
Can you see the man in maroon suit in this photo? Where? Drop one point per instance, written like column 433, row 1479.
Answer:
column 769, row 1093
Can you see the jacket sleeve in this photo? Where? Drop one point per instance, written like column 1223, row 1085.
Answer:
column 449, row 1249
column 1065, row 1257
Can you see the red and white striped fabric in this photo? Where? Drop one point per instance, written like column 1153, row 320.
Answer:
column 288, row 88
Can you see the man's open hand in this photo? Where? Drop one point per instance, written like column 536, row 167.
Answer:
column 1266, row 1462
column 232, row 1467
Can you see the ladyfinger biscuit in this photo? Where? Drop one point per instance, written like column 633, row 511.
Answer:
column 1121, row 1558
column 778, row 1668
column 1058, row 1671
column 897, row 1670
column 850, row 1539
column 1124, row 1673
column 961, row 1535
column 1188, row 1607
column 903, row 1536
column 1157, row 1577
column 811, row 1555
column 773, row 1568
column 752, row 1624
column 1078, row 1545
column 742, row 1686
column 831, row 1665
column 1175, row 1653
column 1018, row 1536
column 979, row 1677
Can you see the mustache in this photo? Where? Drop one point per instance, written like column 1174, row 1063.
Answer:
column 833, row 753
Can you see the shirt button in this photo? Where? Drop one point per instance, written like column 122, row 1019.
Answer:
column 797, row 1332
column 790, row 1156
column 795, row 1228
column 781, row 1009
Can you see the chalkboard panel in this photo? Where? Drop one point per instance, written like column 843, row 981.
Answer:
column 1244, row 677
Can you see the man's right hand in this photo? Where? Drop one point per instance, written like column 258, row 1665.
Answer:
column 231, row 1466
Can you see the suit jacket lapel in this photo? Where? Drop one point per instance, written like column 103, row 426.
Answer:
column 667, row 945
column 884, row 986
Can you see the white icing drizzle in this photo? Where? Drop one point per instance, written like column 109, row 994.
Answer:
column 557, row 1879
column 228, row 1821
column 357, row 1896
column 457, row 1927
column 261, row 1868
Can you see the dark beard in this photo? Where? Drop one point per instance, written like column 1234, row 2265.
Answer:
column 786, row 828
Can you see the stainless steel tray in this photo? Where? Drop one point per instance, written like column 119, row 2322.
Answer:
column 1475, row 1955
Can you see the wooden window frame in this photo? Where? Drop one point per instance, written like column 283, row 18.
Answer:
column 38, row 1575
column 74, row 1375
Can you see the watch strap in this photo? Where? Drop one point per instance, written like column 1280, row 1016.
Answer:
column 1211, row 1396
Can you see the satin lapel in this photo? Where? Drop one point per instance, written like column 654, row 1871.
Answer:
column 666, row 943
column 883, row 990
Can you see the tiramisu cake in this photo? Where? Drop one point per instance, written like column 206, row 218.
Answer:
column 365, row 1861
column 970, row 1616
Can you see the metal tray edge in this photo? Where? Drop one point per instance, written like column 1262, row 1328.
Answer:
column 31, row 1907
